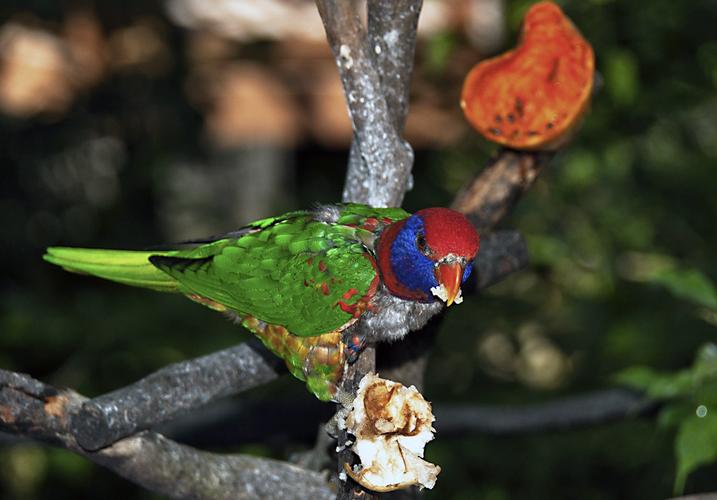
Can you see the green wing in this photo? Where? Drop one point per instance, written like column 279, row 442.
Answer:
column 294, row 271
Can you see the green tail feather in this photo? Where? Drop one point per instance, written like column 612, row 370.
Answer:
column 123, row 266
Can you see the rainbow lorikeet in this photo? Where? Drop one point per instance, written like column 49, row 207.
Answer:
column 313, row 285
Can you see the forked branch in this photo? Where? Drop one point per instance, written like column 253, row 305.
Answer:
column 41, row 412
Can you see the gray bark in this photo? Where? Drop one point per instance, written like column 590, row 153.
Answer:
column 38, row 411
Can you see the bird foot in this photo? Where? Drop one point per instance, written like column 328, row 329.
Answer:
column 344, row 398
column 337, row 423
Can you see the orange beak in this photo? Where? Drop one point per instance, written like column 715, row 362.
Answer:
column 450, row 276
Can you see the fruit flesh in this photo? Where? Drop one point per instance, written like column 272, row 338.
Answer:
column 533, row 96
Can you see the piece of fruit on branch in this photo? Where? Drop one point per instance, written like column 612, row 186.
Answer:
column 314, row 285
column 533, row 96
column 391, row 424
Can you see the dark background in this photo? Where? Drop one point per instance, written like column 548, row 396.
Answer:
column 120, row 128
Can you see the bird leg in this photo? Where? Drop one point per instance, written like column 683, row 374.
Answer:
column 354, row 343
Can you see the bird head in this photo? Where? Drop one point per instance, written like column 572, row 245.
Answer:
column 428, row 255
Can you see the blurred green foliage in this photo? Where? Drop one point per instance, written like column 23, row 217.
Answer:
column 620, row 230
column 690, row 396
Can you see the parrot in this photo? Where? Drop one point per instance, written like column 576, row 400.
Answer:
column 315, row 286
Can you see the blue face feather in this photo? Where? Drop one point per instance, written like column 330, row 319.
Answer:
column 414, row 269
column 467, row 272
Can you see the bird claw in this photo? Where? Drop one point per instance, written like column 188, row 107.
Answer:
column 337, row 423
column 344, row 398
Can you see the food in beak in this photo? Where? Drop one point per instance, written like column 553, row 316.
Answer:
column 449, row 276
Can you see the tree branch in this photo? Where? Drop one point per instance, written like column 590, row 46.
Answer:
column 38, row 411
column 452, row 421
column 171, row 391
column 492, row 194
column 178, row 471
column 381, row 176
column 264, row 420
column 392, row 28
column 502, row 253
column 577, row 411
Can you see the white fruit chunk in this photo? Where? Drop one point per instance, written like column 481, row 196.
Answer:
column 392, row 424
column 441, row 292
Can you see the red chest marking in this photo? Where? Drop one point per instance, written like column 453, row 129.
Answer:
column 357, row 308
column 370, row 224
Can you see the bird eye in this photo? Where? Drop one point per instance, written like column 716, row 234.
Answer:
column 421, row 243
